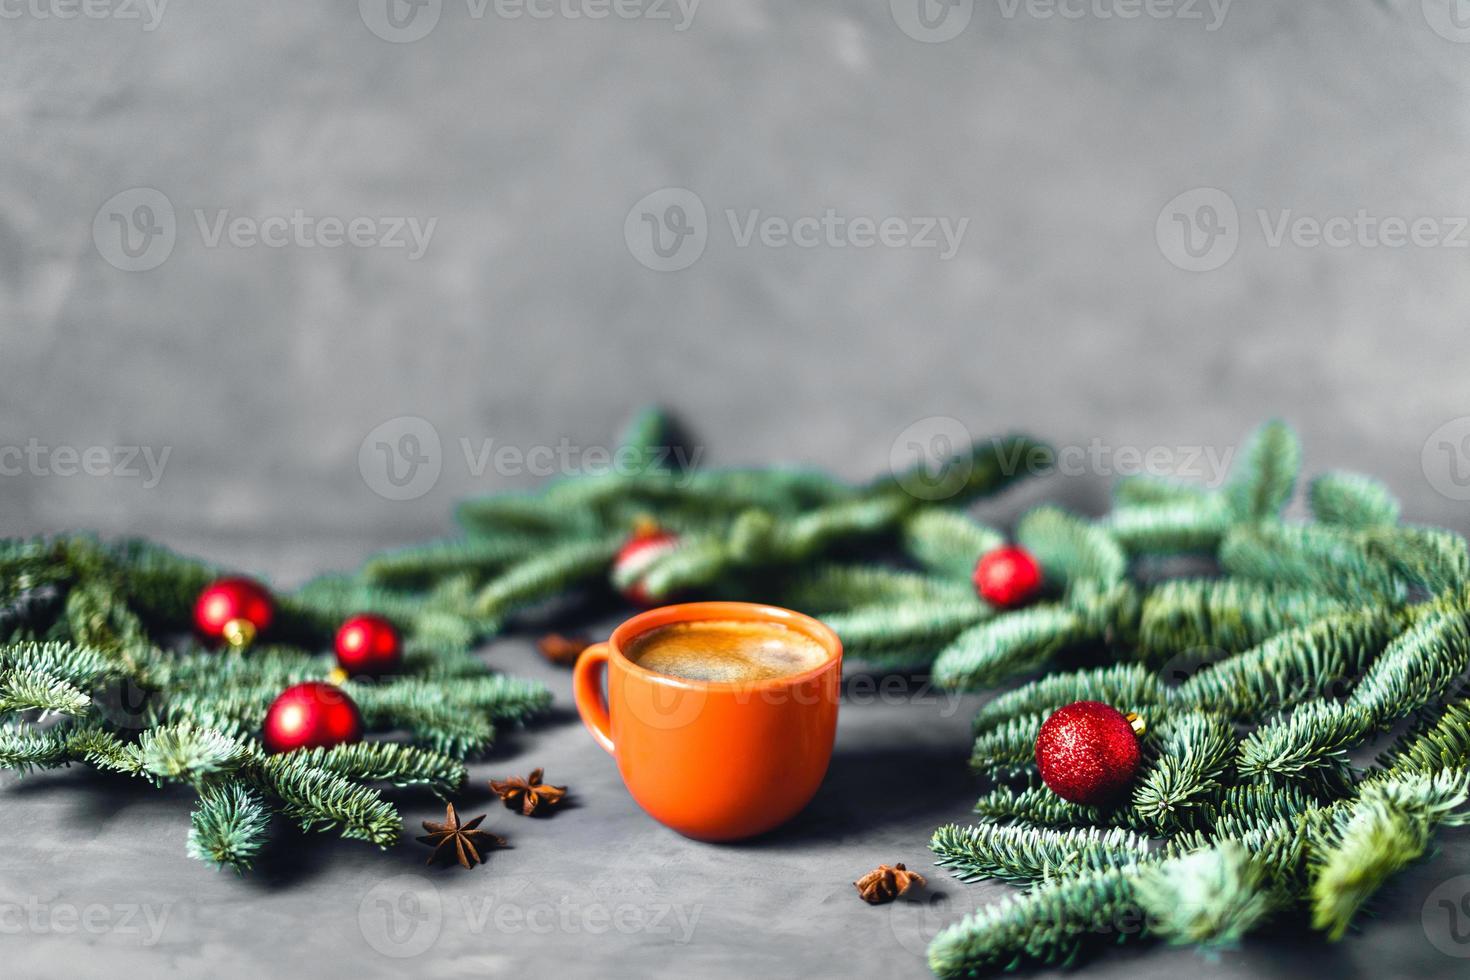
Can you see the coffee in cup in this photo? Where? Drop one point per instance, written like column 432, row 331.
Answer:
column 727, row 651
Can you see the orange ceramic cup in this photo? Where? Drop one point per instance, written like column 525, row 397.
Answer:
column 715, row 761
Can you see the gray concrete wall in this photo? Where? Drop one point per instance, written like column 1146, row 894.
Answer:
column 529, row 318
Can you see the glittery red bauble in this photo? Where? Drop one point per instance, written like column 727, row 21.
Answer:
column 1007, row 577
column 311, row 715
column 638, row 554
column 234, row 610
column 369, row 644
column 1087, row 752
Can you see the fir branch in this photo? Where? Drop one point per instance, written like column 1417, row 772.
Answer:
column 1150, row 491
column 24, row 689
column 1013, row 644
column 389, row 762
column 1314, row 736
column 1110, row 612
column 1049, row 924
column 1248, row 807
column 695, row 561
column 429, row 719
column 186, row 752
column 1316, row 557
column 1353, row 501
column 759, row 539
column 1211, row 897
column 1194, row 752
column 82, row 667
column 496, row 696
column 1223, row 614
column 1296, row 665
column 522, row 515
column 1350, row 562
column 1388, row 827
column 1428, row 558
column 983, row 468
column 317, row 799
column 813, row 533
column 1007, row 747
column 228, row 826
column 24, row 748
column 266, row 665
column 102, row 749
column 556, row 569
column 1439, row 740
column 948, row 542
column 1169, row 528
column 1069, row 548
column 648, row 437
column 1126, row 686
column 1267, row 474
column 1039, row 805
column 836, row 587
column 912, row 630
column 98, row 616
column 158, row 584
column 1420, row 665
column 426, row 564
column 235, row 711
column 1025, row 854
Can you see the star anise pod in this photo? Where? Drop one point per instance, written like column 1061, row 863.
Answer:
column 884, row 884
column 460, row 840
column 561, row 650
column 530, row 794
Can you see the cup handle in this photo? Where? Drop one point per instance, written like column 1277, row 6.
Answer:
column 587, row 692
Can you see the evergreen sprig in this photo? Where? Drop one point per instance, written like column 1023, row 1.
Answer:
column 96, row 666
column 1319, row 637
column 1024, row 855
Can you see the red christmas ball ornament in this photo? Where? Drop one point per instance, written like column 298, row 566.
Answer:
column 641, row 550
column 1088, row 752
column 369, row 644
column 234, row 610
column 1007, row 577
column 309, row 716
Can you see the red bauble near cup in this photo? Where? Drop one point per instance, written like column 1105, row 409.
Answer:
column 311, row 715
column 638, row 554
column 1008, row 577
column 234, row 610
column 1088, row 752
column 369, row 644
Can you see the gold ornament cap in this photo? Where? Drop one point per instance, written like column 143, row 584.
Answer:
column 1136, row 720
column 239, row 633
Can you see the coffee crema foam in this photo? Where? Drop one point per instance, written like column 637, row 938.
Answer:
column 726, row 650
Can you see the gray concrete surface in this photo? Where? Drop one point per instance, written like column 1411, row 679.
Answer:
column 250, row 401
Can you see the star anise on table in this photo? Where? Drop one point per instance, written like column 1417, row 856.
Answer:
column 530, row 795
column 884, row 884
column 561, row 650
column 461, row 840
